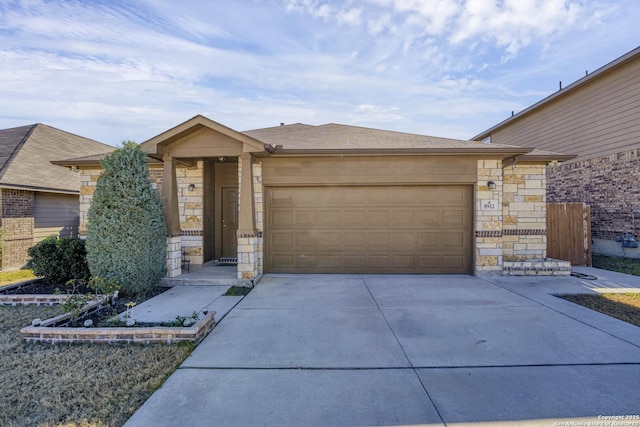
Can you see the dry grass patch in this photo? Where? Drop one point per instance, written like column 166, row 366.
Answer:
column 621, row 306
column 9, row 277
column 79, row 384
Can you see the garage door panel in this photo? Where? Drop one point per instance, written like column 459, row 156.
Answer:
column 354, row 262
column 353, row 218
column 429, row 263
column 379, row 242
column 378, row 195
column 305, row 241
column 305, row 219
column 453, row 262
column 330, row 262
column 330, row 241
column 429, row 241
column 454, row 194
column 404, row 241
column 379, row 262
column 354, row 240
column 281, row 196
column 282, row 261
column 453, row 217
column 404, row 219
column 329, row 218
column 281, row 240
column 453, row 241
column 282, row 219
column 428, row 218
column 404, row 262
column 386, row 229
column 406, row 195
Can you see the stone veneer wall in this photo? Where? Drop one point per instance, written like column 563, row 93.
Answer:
column 488, row 218
column 610, row 185
column 17, row 223
column 510, row 220
column 190, row 205
column 524, row 225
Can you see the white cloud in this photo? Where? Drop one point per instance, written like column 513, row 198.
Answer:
column 131, row 69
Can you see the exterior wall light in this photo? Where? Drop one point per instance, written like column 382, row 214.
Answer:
column 192, row 187
column 491, row 185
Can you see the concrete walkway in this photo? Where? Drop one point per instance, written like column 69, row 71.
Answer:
column 336, row 350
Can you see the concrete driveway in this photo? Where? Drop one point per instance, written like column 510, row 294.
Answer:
column 334, row 350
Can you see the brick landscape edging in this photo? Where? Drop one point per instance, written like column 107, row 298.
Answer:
column 139, row 335
column 129, row 335
column 33, row 299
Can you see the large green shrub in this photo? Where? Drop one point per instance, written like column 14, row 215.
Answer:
column 59, row 260
column 126, row 234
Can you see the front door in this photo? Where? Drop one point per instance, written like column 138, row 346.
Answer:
column 229, row 222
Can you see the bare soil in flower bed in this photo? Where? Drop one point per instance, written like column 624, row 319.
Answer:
column 100, row 318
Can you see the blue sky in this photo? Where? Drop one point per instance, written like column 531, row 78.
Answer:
column 113, row 70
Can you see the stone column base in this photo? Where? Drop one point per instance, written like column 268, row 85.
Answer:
column 174, row 256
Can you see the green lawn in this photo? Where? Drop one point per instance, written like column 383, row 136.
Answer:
column 621, row 265
column 75, row 385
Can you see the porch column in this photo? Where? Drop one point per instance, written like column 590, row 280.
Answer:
column 171, row 217
column 247, row 216
column 247, row 234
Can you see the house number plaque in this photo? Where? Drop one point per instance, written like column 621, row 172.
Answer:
column 490, row 205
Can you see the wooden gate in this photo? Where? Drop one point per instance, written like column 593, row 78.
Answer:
column 569, row 232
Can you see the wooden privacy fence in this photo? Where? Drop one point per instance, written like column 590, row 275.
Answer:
column 569, row 232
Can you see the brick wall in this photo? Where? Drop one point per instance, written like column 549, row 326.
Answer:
column 17, row 223
column 609, row 184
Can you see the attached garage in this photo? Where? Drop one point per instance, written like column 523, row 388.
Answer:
column 369, row 229
column 369, row 214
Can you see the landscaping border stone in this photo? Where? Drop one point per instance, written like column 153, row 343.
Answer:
column 129, row 335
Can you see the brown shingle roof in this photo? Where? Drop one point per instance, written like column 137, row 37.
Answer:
column 344, row 137
column 26, row 153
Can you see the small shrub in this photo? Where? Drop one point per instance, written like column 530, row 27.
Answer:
column 59, row 260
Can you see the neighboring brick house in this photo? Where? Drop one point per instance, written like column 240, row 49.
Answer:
column 597, row 118
column 37, row 198
column 345, row 199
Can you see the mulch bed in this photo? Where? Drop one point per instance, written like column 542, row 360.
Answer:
column 99, row 318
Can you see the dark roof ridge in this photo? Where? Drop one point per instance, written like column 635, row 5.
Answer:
column 17, row 147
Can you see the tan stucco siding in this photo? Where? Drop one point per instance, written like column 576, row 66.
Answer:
column 368, row 170
column 595, row 119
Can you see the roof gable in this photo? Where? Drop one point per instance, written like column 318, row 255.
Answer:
column 197, row 126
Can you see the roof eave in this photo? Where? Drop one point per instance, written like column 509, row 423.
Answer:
column 546, row 158
column 488, row 151
column 39, row 189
